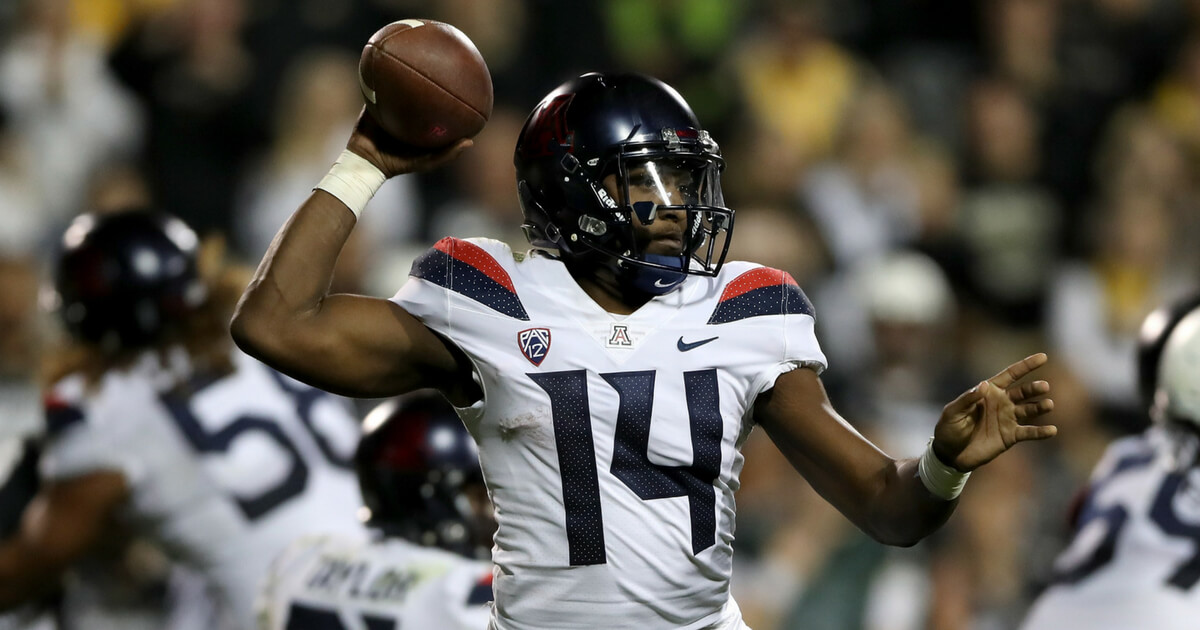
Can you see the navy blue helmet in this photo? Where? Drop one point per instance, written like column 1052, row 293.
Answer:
column 1152, row 336
column 125, row 279
column 599, row 125
column 417, row 466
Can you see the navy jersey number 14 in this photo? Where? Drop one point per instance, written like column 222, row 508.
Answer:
column 631, row 463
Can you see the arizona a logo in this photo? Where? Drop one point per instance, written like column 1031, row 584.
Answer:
column 618, row 336
column 535, row 343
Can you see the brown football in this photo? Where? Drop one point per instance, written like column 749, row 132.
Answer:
column 425, row 83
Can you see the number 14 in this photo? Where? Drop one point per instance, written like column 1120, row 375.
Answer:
column 630, row 462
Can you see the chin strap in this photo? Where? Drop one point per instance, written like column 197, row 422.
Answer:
column 655, row 281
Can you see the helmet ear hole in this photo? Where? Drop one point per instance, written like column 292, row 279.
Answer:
column 553, row 234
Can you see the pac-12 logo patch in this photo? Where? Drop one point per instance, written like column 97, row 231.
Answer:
column 535, row 343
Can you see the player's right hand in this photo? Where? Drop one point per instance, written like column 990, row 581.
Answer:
column 393, row 157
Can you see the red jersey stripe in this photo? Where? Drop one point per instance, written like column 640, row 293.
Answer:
column 475, row 256
column 756, row 279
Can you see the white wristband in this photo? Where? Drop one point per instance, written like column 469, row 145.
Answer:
column 942, row 481
column 353, row 180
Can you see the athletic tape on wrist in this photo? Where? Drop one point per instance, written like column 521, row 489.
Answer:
column 942, row 481
column 353, row 180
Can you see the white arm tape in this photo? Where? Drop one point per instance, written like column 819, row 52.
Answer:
column 940, row 480
column 353, row 180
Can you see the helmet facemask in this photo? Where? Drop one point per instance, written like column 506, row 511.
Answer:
column 601, row 160
column 636, row 185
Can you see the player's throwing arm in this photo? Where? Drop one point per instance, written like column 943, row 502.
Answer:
column 426, row 90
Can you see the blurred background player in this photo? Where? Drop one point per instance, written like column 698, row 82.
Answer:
column 428, row 566
column 158, row 429
column 1134, row 561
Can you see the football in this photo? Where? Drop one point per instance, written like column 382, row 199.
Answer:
column 425, row 83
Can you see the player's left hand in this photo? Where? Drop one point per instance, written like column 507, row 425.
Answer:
column 988, row 419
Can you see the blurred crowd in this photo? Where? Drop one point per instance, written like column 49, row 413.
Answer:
column 955, row 184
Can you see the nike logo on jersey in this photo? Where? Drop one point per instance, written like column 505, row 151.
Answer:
column 684, row 346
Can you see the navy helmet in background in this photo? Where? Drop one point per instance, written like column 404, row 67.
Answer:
column 418, row 469
column 123, row 280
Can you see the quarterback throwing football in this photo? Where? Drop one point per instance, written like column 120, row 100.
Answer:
column 610, row 374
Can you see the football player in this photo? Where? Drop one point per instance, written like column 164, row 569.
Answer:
column 159, row 426
column 1134, row 558
column 427, row 568
column 611, row 374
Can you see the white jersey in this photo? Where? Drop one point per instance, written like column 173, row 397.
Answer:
column 223, row 473
column 390, row 584
column 611, row 444
column 1134, row 561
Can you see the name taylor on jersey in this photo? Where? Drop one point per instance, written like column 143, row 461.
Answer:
column 338, row 577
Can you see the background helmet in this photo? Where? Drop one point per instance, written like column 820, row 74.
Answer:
column 1152, row 336
column 416, row 464
column 598, row 125
column 124, row 279
column 1178, row 396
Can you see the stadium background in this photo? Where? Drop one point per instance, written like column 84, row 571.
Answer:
column 954, row 183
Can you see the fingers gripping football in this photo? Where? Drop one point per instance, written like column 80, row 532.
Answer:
column 393, row 157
